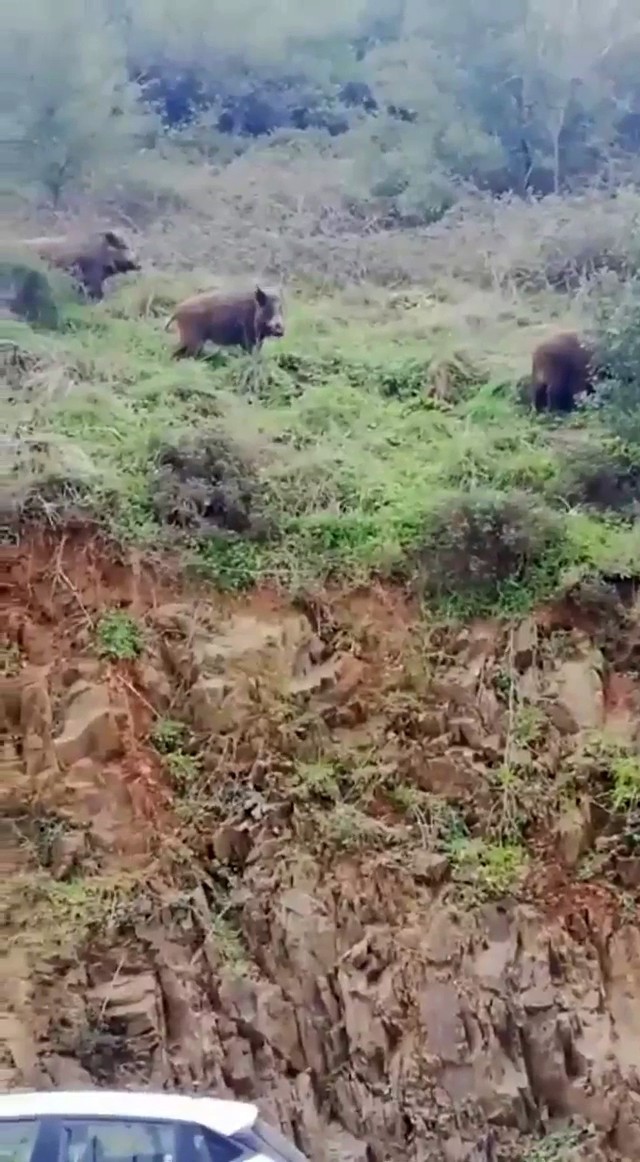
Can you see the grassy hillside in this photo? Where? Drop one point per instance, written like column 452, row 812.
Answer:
column 386, row 435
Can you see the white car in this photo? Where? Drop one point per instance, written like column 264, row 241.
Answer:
column 99, row 1125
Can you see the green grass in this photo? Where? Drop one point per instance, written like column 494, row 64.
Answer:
column 354, row 458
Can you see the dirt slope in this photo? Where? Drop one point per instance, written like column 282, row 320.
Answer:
column 378, row 876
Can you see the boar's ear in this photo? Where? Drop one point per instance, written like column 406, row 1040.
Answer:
column 112, row 239
column 261, row 297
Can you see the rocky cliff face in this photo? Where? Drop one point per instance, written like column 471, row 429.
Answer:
column 380, row 877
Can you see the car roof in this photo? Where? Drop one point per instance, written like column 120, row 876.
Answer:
column 224, row 1117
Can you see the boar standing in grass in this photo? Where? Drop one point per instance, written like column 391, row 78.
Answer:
column 562, row 368
column 90, row 259
column 240, row 320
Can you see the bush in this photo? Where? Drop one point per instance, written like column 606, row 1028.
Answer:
column 44, row 479
column 204, row 483
column 28, row 294
column 600, row 474
column 489, row 547
column 618, row 336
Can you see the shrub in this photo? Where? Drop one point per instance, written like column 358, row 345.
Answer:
column 618, row 335
column 487, row 547
column 28, row 294
column 205, row 484
column 44, row 479
column 600, row 474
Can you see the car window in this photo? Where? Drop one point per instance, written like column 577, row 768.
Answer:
column 17, row 1139
column 210, row 1147
column 116, row 1140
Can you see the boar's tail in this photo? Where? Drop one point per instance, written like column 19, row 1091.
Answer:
column 169, row 322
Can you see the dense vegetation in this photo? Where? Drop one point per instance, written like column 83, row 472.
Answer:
column 387, row 434
column 520, row 95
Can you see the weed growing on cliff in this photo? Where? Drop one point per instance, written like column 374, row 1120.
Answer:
column 315, row 780
column 555, row 1147
column 491, row 869
column 63, row 914
column 185, row 771
column 625, row 774
column 229, row 943
column 349, row 829
column 408, row 799
column 528, row 725
column 118, row 636
column 169, row 735
column 618, row 764
column 175, row 742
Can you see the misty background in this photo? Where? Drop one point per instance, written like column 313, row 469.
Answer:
column 407, row 105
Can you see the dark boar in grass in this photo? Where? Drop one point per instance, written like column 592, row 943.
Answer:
column 91, row 259
column 240, row 320
column 562, row 368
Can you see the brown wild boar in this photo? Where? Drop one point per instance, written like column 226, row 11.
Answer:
column 91, row 259
column 240, row 320
column 561, row 368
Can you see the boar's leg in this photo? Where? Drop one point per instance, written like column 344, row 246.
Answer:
column 91, row 278
column 541, row 397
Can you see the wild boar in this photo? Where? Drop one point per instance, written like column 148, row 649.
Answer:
column 562, row 367
column 91, row 259
column 240, row 320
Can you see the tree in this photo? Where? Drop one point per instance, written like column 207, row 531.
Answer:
column 72, row 106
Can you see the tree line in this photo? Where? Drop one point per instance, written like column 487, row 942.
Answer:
column 528, row 96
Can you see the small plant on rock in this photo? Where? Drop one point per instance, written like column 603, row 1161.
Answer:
column 119, row 637
column 557, row 1146
column 625, row 774
column 169, row 735
column 492, row 869
column 315, row 781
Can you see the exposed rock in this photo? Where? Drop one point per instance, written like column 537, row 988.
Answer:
column 467, row 731
column 93, row 727
column 575, row 832
column 447, row 776
column 579, row 692
column 629, row 871
column 429, row 867
column 622, row 707
column 36, row 723
column 82, row 670
column 211, row 707
column 524, row 643
column 134, row 1003
column 67, row 1073
column 232, row 843
column 225, row 667
column 67, row 851
column 155, row 682
column 243, row 640
column 370, row 1009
